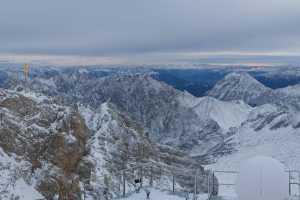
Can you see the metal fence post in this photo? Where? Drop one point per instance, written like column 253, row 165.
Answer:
column 141, row 176
column 173, row 183
column 208, row 187
column 160, row 174
column 124, row 184
column 213, row 183
column 120, row 184
column 195, row 185
column 151, row 176
column 210, row 183
column 290, row 183
column 298, row 183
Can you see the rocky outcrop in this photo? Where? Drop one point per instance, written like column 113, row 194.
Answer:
column 51, row 138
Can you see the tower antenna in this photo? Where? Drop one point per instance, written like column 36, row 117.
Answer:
column 26, row 74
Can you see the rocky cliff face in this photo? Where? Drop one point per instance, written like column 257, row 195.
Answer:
column 50, row 138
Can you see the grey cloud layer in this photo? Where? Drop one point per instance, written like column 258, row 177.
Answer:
column 112, row 27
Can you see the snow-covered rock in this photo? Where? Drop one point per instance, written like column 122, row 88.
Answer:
column 281, row 143
column 118, row 142
column 42, row 143
column 241, row 86
column 15, row 179
column 238, row 86
column 226, row 114
column 291, row 90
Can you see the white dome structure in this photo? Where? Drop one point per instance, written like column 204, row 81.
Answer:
column 262, row 178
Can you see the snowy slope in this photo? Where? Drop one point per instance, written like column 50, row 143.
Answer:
column 291, row 90
column 281, row 144
column 156, row 194
column 226, row 113
column 97, row 121
column 269, row 131
column 12, row 179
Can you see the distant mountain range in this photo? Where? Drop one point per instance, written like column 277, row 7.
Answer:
column 197, row 80
column 67, row 128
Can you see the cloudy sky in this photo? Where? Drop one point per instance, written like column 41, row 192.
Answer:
column 149, row 30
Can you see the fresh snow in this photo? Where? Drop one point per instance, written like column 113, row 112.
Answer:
column 49, row 82
column 226, row 114
column 25, row 191
column 12, row 183
column 100, row 122
column 34, row 96
column 83, row 71
column 156, row 194
column 262, row 178
column 236, row 86
column 69, row 138
column 291, row 90
column 281, row 144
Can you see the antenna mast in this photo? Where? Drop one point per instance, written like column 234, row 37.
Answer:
column 26, row 74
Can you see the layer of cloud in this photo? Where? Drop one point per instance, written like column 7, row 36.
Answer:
column 119, row 28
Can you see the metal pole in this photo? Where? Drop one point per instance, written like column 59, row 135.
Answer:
column 195, row 185
column 83, row 192
column 124, row 184
column 120, row 184
column 1, row 118
column 298, row 182
column 173, row 181
column 213, row 183
column 160, row 174
column 151, row 176
column 290, row 183
column 208, row 185
column 141, row 176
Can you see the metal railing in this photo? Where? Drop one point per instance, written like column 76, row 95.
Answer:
column 293, row 180
column 165, row 179
column 183, row 182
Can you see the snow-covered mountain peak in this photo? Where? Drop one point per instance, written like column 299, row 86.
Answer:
column 226, row 114
column 242, row 77
column 239, row 86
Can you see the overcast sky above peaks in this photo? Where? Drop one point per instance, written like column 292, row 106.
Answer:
column 129, row 29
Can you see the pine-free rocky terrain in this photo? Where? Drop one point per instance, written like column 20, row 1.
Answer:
column 65, row 135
